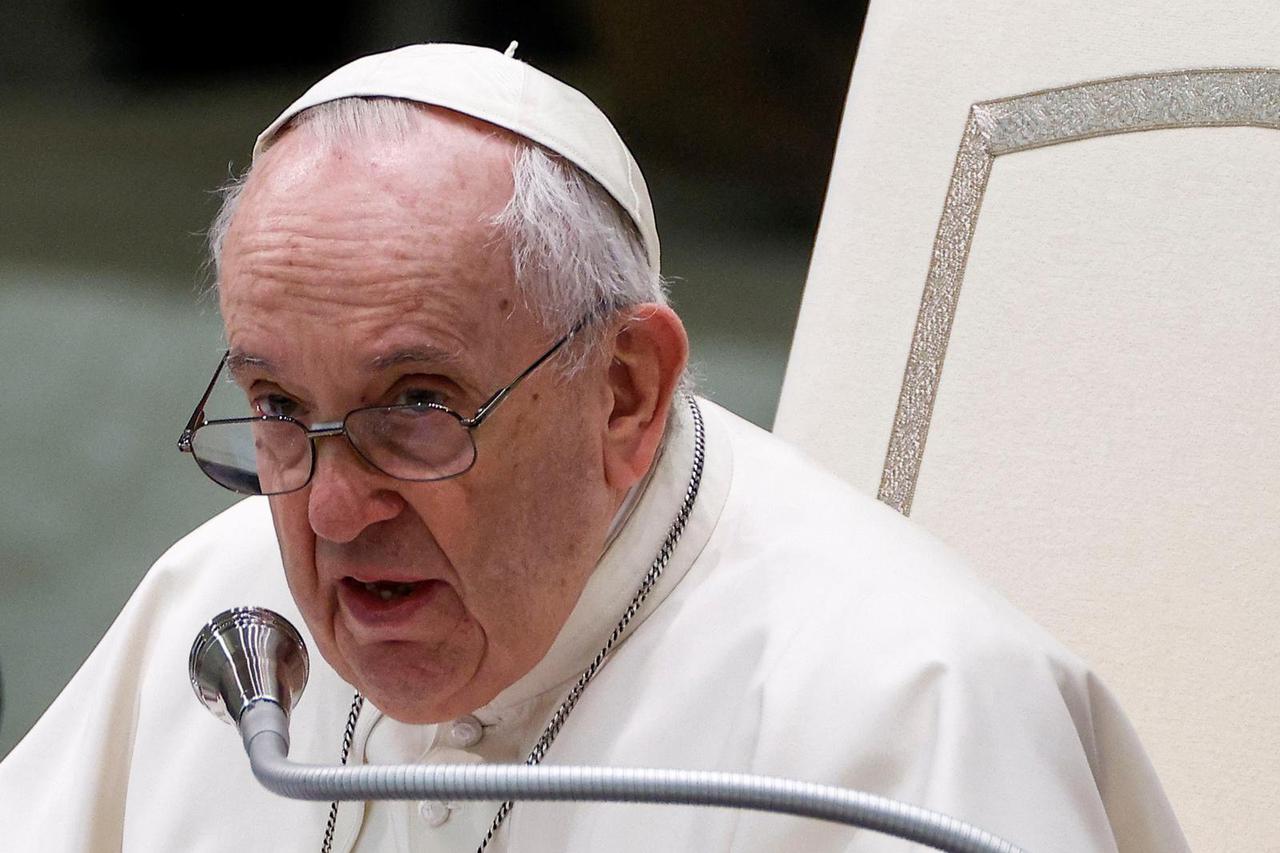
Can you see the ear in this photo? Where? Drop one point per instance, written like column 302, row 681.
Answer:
column 649, row 352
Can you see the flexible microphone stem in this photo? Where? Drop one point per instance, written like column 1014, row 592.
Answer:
column 249, row 666
column 264, row 730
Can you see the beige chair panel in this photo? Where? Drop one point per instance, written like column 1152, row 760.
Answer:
column 1104, row 444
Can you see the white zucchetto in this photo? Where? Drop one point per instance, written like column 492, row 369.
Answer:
column 502, row 91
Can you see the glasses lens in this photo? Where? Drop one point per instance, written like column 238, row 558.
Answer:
column 254, row 457
column 412, row 442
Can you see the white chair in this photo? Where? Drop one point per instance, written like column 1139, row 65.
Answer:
column 1101, row 398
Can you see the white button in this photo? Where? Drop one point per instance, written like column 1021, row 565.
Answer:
column 433, row 812
column 463, row 732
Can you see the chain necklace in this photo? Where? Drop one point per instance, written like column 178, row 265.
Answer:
column 561, row 714
column 348, row 735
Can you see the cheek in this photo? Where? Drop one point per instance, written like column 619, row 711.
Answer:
column 289, row 515
column 297, row 544
column 533, row 500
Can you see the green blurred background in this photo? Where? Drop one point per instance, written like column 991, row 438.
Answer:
column 117, row 121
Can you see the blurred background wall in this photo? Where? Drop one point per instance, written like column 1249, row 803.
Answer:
column 118, row 120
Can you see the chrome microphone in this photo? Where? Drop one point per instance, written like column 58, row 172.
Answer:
column 247, row 655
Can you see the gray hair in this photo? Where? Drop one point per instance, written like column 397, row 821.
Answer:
column 577, row 255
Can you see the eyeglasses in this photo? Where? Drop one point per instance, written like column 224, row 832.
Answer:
column 275, row 454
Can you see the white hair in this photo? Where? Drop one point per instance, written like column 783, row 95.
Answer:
column 577, row 255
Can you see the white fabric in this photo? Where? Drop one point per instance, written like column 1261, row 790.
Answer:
column 1103, row 446
column 800, row 630
column 503, row 91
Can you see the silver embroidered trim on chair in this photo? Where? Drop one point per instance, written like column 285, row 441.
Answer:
column 1207, row 98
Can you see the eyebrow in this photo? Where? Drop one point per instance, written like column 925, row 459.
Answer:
column 239, row 362
column 425, row 354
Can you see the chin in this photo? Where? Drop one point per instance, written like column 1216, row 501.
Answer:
column 409, row 683
column 409, row 708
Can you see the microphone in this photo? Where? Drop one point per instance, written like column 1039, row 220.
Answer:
column 248, row 666
column 247, row 655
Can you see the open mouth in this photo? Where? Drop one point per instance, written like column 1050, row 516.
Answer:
column 387, row 606
column 383, row 590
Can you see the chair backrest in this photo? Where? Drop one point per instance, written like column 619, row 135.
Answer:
column 1051, row 246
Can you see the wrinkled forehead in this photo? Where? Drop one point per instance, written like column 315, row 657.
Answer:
column 373, row 241
column 331, row 211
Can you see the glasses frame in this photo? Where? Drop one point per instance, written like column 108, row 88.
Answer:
column 336, row 428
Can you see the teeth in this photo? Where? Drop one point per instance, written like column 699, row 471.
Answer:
column 387, row 591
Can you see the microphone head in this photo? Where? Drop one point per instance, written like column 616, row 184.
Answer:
column 245, row 654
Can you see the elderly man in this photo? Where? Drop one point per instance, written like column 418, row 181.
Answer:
column 509, row 532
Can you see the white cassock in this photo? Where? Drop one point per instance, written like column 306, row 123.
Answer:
column 800, row 630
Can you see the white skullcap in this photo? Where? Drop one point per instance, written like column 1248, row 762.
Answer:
column 503, row 91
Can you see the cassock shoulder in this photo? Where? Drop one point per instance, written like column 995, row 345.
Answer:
column 241, row 537
column 126, row 736
column 840, row 572
column 889, row 666
column 825, row 551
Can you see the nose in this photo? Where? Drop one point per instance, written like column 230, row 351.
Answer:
column 346, row 493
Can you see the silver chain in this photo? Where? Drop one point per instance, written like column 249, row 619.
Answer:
column 549, row 734
column 348, row 736
column 561, row 714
